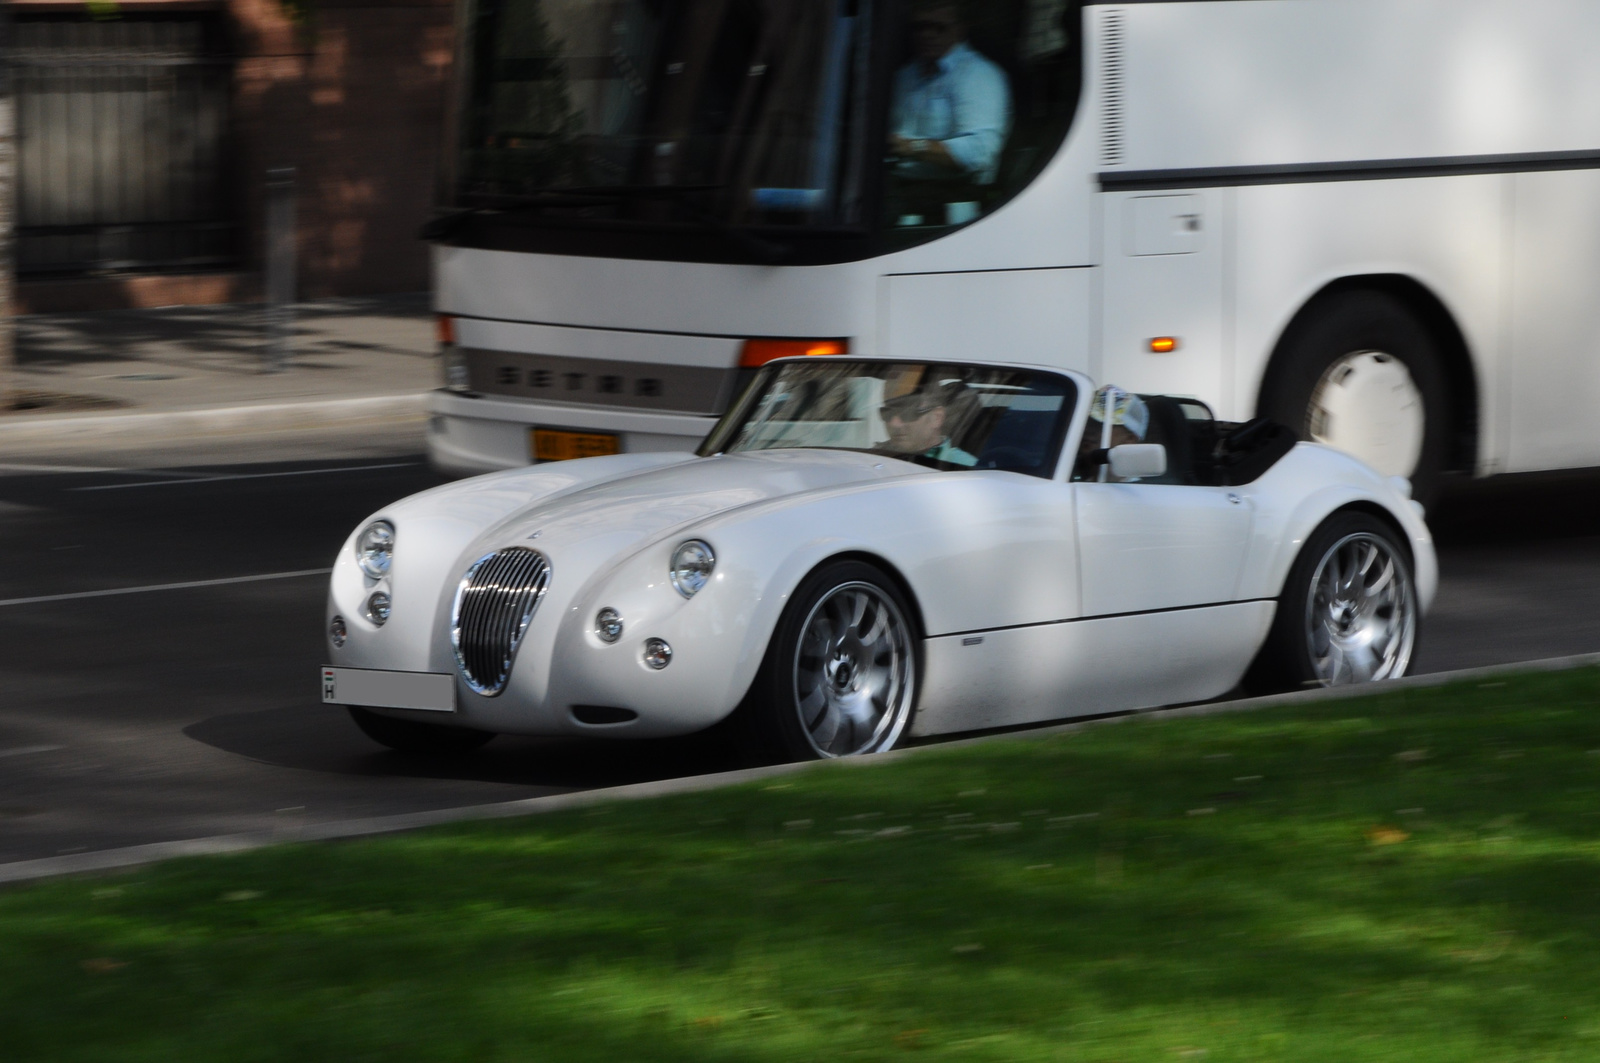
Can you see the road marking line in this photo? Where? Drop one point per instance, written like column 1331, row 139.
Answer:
column 22, row 751
column 248, row 476
column 165, row 587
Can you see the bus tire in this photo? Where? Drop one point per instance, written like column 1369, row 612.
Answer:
column 1360, row 371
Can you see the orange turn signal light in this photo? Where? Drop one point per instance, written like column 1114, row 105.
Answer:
column 446, row 326
column 1163, row 345
column 756, row 353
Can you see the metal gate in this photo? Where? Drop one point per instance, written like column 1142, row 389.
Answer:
column 121, row 129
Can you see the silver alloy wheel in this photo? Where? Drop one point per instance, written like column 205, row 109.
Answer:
column 1361, row 615
column 854, row 680
column 1367, row 405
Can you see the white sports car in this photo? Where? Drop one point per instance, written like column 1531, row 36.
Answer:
column 864, row 551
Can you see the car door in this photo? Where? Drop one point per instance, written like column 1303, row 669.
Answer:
column 1145, row 547
column 1159, row 565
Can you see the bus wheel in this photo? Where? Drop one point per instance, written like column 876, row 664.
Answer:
column 1358, row 372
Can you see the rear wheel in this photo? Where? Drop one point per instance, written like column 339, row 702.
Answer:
column 840, row 675
column 1359, row 372
column 416, row 736
column 1348, row 612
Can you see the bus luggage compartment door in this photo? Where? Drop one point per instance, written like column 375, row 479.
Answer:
column 1162, row 304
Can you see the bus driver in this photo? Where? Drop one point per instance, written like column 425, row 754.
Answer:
column 950, row 118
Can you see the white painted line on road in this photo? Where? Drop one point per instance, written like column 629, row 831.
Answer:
column 188, row 584
column 149, row 853
column 248, row 476
column 23, row 751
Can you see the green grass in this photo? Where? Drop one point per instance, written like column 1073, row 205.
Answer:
column 1409, row 876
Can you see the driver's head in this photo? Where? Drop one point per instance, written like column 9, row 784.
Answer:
column 936, row 27
column 921, row 420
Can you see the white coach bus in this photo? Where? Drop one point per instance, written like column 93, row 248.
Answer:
column 1377, row 221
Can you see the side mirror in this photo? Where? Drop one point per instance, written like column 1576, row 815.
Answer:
column 1133, row 461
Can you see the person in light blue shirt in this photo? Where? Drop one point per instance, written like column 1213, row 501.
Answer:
column 952, row 107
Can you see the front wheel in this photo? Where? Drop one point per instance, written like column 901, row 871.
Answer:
column 1348, row 612
column 416, row 736
column 840, row 675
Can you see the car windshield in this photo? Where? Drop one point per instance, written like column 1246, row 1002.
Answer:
column 941, row 415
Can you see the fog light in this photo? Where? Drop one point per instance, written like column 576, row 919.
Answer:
column 608, row 625
column 337, row 632
column 378, row 608
column 657, row 654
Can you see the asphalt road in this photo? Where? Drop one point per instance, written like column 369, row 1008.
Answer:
column 192, row 711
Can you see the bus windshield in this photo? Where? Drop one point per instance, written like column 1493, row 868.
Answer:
column 944, row 416
column 794, row 115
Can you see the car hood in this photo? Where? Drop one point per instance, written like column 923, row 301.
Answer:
column 612, row 515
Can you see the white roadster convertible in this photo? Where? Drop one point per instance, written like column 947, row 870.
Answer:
column 864, row 551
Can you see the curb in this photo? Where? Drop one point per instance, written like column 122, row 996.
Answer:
column 208, row 422
column 137, row 855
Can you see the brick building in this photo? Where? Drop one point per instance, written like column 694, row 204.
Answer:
column 147, row 127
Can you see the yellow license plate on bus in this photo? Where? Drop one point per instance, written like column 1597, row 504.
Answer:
column 552, row 445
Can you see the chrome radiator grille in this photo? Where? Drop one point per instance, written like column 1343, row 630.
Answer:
column 494, row 604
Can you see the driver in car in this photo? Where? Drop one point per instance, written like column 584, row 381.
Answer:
column 920, row 423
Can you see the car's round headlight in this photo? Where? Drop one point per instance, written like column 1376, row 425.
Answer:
column 378, row 608
column 375, row 548
column 692, row 563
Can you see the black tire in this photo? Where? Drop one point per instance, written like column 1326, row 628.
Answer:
column 416, row 736
column 1347, row 324
column 1290, row 659
column 782, row 717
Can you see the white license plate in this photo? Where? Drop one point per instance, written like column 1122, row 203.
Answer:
column 428, row 691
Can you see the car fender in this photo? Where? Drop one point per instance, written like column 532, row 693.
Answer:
column 1288, row 515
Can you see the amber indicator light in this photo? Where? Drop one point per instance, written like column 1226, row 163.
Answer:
column 760, row 352
column 447, row 328
column 1163, row 345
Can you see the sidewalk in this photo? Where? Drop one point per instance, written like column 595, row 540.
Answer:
column 187, row 383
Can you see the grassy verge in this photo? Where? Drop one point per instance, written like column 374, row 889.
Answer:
column 1413, row 876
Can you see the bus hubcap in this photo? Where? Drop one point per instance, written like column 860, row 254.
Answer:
column 1367, row 405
